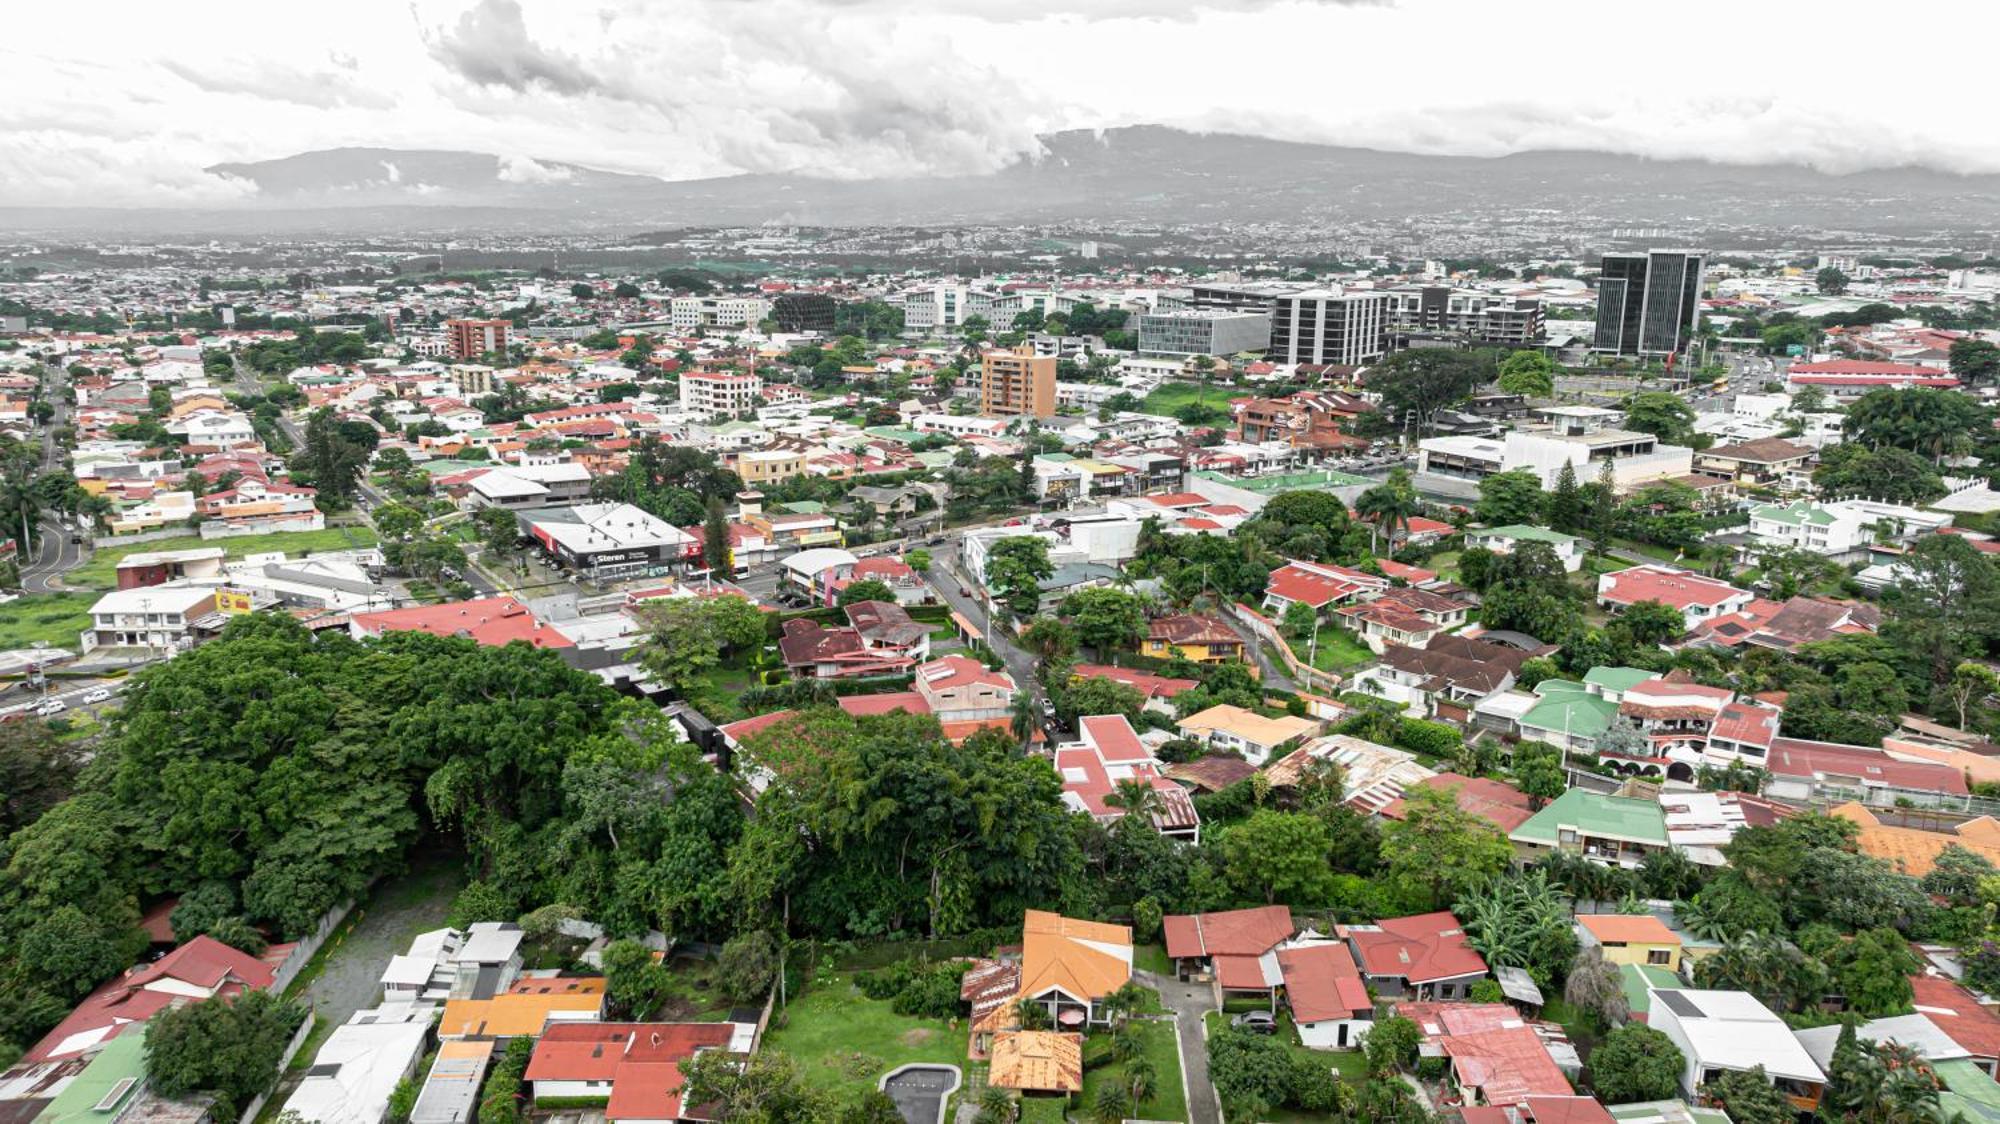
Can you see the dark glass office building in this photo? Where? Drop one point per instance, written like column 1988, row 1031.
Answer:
column 1648, row 304
column 804, row 312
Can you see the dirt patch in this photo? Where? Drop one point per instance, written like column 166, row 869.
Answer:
column 916, row 1037
column 676, row 1010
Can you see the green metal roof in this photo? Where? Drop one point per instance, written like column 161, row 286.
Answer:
column 1611, row 817
column 1525, row 532
column 1637, row 978
column 1795, row 513
column 1968, row 1090
column 1567, row 708
column 1618, row 678
column 122, row 1057
column 1667, row 1112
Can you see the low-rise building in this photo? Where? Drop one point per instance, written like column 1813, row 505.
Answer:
column 1425, row 957
column 1104, row 761
column 635, row 1068
column 148, row 616
column 608, row 541
column 1246, row 732
column 1613, row 830
column 357, row 1069
column 1503, row 540
column 1631, row 938
column 1698, row 598
column 1199, row 637
column 1719, row 1031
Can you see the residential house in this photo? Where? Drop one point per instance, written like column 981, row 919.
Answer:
column 203, row 968
column 1766, row 462
column 1230, row 945
column 1613, row 830
column 1109, row 754
column 1842, row 531
column 1447, row 678
column 1316, row 586
column 1675, row 714
column 1496, row 802
column 1719, row 1031
column 264, row 506
column 1246, row 732
column 477, row 962
column 1196, row 636
column 358, row 1068
column 1962, row 1017
column 450, row 1093
column 1785, row 626
column 1498, row 1060
column 880, row 639
column 961, row 689
column 1631, row 938
column 1698, row 598
column 1037, row 1061
column 154, row 616
column 1372, row 775
column 1330, row 1005
column 527, row 1008
column 1744, row 731
column 1069, row 966
column 1503, row 540
column 908, row 585
column 489, row 621
column 1422, row 957
column 1158, row 690
column 634, row 1067
column 1808, row 772
column 1409, row 618
column 1912, row 850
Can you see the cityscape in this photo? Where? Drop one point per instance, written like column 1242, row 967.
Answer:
column 817, row 562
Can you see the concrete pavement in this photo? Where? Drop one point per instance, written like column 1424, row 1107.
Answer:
column 1190, row 1005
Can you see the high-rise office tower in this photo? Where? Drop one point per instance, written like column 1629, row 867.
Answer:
column 1648, row 304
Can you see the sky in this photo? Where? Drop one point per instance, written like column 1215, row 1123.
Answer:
column 124, row 102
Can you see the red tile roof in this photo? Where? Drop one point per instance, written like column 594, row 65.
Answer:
column 1322, row 982
column 1428, row 946
column 908, row 702
column 1233, row 932
column 1152, row 686
column 1311, row 586
column 1496, row 802
column 492, row 621
column 1668, row 586
column 1958, row 1013
column 642, row 1061
column 203, row 963
column 1793, row 757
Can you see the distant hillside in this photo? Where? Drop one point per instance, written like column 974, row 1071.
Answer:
column 1148, row 173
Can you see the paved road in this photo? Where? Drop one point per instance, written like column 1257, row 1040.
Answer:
column 944, row 577
column 1190, row 1004
column 52, row 554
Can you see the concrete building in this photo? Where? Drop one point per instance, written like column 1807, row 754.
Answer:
column 1648, row 304
column 693, row 313
column 804, row 312
column 713, row 394
column 1204, row 332
column 1476, row 316
column 1329, row 326
column 1017, row 383
column 470, row 339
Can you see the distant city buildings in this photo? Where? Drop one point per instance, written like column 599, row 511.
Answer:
column 1203, row 332
column 1648, row 304
column 804, row 312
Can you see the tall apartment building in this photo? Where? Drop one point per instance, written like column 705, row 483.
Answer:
column 719, row 393
column 1479, row 317
column 1203, row 332
column 690, row 313
column 473, row 379
column 470, row 339
column 1328, row 326
column 944, row 305
column 1018, row 382
column 1648, row 304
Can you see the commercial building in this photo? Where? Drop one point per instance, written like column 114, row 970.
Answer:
column 804, row 312
column 608, row 541
column 1328, row 326
column 693, row 313
column 719, row 393
column 1478, row 317
column 470, row 339
column 1648, row 304
column 1017, row 383
column 158, row 616
column 1203, row 332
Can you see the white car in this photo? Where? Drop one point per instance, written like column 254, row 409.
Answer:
column 53, row 706
column 102, row 694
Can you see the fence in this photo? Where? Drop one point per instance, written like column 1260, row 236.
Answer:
column 303, row 951
column 1268, row 631
column 299, row 1037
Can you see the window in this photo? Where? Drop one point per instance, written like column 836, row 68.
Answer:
column 1660, row 956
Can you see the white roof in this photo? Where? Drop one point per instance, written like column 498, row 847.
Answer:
column 505, row 482
column 1917, row 1032
column 819, row 559
column 413, row 971
column 169, row 598
column 561, row 472
column 1732, row 1030
column 352, row 1077
column 490, row 942
column 608, row 526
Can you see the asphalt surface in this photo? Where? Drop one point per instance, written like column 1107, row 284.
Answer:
column 920, row 1093
column 945, row 578
column 52, row 554
column 1190, row 1004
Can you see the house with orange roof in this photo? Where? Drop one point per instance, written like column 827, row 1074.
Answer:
column 1631, row 938
column 526, row 1009
column 1037, row 1061
column 635, row 1067
column 1069, row 966
column 1912, row 850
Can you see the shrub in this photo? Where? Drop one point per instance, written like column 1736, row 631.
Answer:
column 916, row 987
column 748, row 964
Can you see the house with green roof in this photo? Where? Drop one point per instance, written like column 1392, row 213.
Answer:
column 112, row 1084
column 1503, row 540
column 1614, row 830
column 1968, row 1090
column 1638, row 982
column 1570, row 715
column 1613, row 682
column 1665, row 1112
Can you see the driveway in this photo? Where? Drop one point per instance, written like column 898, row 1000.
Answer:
column 384, row 924
column 1190, row 1004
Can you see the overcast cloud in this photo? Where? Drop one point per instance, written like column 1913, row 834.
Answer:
column 123, row 103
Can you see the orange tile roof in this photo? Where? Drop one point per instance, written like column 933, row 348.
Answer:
column 1913, row 850
column 1628, row 928
column 1079, row 957
column 524, row 1008
column 1037, row 1060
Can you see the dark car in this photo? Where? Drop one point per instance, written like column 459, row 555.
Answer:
column 1256, row 1022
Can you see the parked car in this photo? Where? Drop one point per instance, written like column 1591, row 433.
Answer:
column 102, row 694
column 1256, row 1022
column 53, row 706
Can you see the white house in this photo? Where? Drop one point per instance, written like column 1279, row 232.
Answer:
column 1843, row 530
column 1721, row 1031
column 1502, row 540
column 1698, row 598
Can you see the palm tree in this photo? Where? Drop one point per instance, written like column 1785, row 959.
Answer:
column 997, row 1106
column 1023, row 720
column 1032, row 1015
column 1137, row 797
column 1140, row 1077
column 1388, row 507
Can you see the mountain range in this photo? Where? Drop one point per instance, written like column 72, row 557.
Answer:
column 1140, row 173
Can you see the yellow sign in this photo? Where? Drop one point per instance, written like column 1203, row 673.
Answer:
column 231, row 601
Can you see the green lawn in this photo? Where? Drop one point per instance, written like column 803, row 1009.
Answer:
column 1338, row 650
column 56, row 619
column 844, row 1040
column 101, row 572
column 1157, row 1044
column 1171, row 396
column 1152, row 958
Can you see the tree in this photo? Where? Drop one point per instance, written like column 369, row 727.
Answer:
column 226, row 1047
column 1106, row 619
column 1889, row 474
column 1389, row 507
column 768, row 1087
column 1920, row 420
column 1635, row 1063
column 1873, row 969
column 747, row 966
column 1649, row 624
column 1392, row 1045
column 1280, row 856
column 1595, row 987
column 1518, row 920
column 1565, row 503
column 1300, row 620
column 1976, row 361
column 1440, row 848
column 331, row 460
column 1830, row 281
column 1530, row 374
column 1416, row 385
column 36, row 773
column 867, row 589
column 1015, row 567
column 395, row 520
column 1769, row 967
column 1944, row 609
column 1970, row 683
column 1080, row 696
column 1050, row 638
column 716, row 549
column 687, row 635
column 1665, row 415
column 1750, row 1098
column 1510, row 498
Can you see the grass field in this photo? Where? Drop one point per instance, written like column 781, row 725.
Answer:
column 101, row 572
column 55, row 619
column 1171, row 396
column 1157, row 1045
column 844, row 1040
column 1338, row 651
